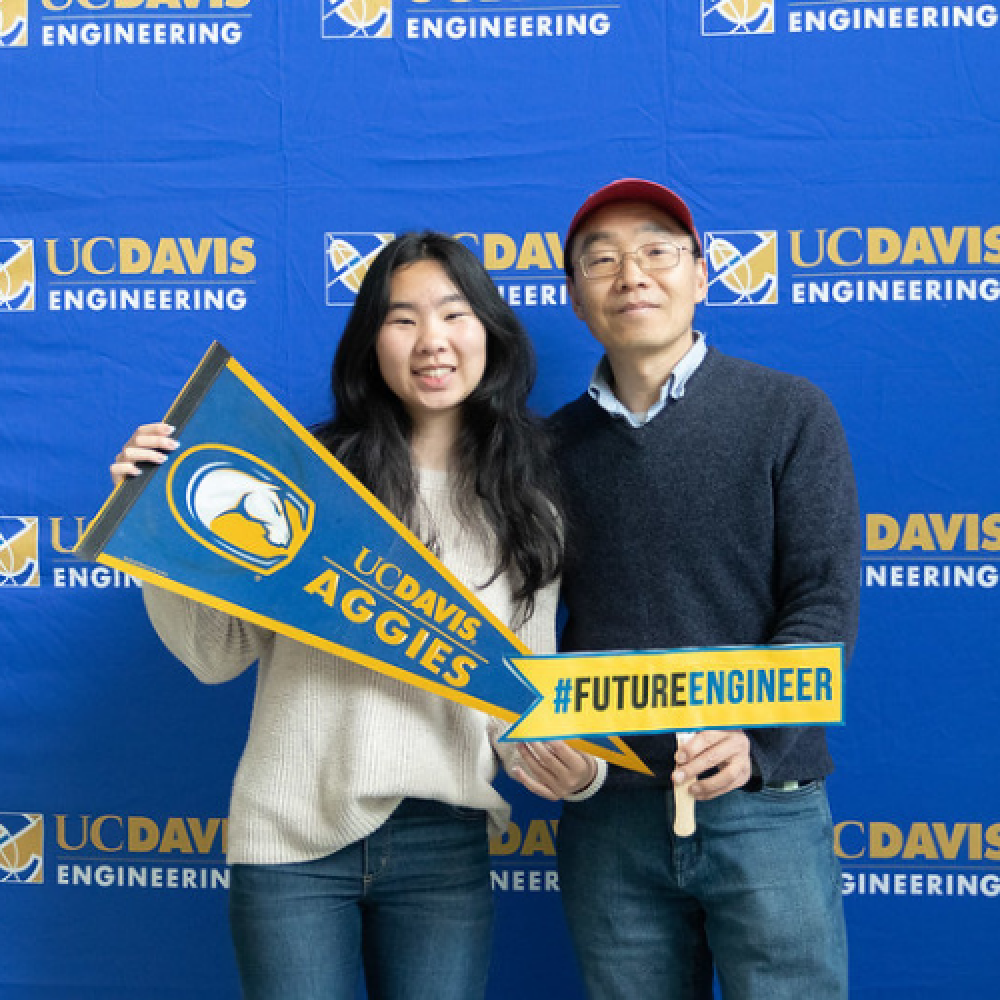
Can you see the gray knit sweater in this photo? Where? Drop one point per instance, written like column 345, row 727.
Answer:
column 334, row 747
column 731, row 518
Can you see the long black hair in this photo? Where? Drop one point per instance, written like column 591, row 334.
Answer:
column 503, row 478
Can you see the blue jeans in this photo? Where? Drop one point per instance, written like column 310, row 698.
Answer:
column 756, row 893
column 412, row 904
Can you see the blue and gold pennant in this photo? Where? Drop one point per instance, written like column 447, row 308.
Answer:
column 253, row 516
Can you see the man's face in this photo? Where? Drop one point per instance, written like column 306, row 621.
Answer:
column 637, row 314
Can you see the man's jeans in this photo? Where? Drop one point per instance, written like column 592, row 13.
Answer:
column 412, row 902
column 756, row 892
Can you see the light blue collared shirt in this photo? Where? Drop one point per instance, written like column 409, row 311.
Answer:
column 601, row 392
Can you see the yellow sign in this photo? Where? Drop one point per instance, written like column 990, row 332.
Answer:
column 594, row 694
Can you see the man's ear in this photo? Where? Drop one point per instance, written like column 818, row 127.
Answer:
column 573, row 300
column 701, row 286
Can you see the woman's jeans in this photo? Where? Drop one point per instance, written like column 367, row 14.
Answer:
column 755, row 895
column 411, row 903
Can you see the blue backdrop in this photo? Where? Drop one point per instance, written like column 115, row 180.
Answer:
column 179, row 171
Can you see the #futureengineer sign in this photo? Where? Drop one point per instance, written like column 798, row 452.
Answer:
column 252, row 516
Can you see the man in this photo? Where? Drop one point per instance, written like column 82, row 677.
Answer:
column 710, row 502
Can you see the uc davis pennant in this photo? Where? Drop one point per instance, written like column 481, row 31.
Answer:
column 252, row 516
column 652, row 692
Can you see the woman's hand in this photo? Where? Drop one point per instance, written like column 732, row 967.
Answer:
column 554, row 770
column 149, row 443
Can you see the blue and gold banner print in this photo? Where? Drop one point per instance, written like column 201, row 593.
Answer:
column 251, row 515
column 178, row 172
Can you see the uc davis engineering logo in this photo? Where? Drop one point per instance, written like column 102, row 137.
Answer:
column 458, row 20
column 17, row 271
column 22, row 848
column 348, row 257
column 742, row 268
column 239, row 507
column 357, row 18
column 737, row 17
column 19, row 564
column 13, row 24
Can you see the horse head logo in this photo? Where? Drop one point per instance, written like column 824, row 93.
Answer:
column 239, row 507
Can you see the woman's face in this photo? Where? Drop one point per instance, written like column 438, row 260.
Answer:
column 431, row 347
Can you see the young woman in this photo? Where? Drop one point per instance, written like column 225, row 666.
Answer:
column 360, row 811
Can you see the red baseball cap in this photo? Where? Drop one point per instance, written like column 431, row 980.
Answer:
column 631, row 189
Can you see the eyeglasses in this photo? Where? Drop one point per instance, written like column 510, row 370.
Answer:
column 650, row 257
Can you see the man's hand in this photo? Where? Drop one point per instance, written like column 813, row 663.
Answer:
column 728, row 750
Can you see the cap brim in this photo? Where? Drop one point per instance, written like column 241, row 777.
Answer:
column 633, row 189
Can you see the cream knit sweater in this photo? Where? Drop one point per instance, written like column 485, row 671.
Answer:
column 334, row 747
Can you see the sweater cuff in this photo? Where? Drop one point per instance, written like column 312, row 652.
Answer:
column 594, row 787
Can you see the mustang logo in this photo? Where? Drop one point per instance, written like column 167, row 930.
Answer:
column 239, row 507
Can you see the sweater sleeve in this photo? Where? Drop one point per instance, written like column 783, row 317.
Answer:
column 538, row 633
column 817, row 546
column 214, row 646
column 817, row 528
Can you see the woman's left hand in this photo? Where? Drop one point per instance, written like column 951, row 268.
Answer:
column 554, row 769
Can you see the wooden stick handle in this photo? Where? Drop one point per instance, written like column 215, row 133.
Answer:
column 684, row 825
